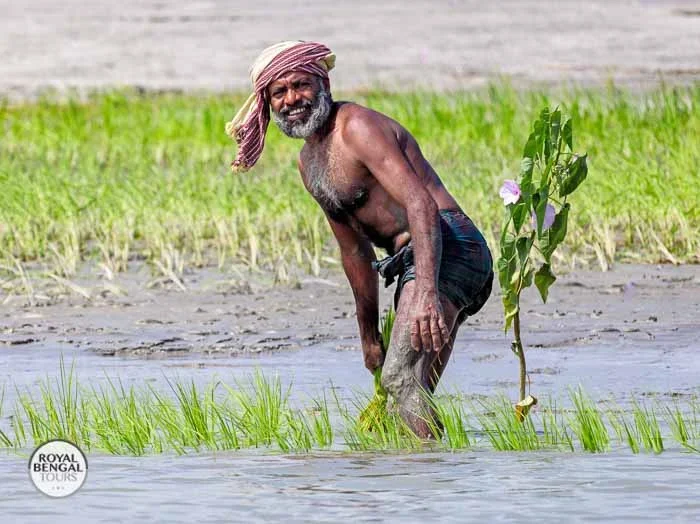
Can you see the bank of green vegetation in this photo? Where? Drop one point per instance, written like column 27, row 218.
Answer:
column 258, row 413
column 124, row 176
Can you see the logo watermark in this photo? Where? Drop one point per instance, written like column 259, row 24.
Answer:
column 58, row 468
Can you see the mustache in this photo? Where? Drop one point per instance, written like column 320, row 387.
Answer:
column 304, row 103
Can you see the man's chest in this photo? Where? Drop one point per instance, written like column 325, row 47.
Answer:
column 339, row 185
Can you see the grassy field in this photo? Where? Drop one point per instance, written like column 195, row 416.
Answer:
column 258, row 413
column 123, row 176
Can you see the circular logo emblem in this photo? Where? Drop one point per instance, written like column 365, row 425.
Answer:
column 58, row 468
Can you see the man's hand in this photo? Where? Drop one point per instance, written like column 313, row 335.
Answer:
column 374, row 355
column 428, row 329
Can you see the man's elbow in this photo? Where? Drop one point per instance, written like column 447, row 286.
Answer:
column 422, row 207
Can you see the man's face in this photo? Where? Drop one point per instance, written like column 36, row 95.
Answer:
column 300, row 103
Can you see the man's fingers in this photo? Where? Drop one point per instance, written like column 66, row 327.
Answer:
column 415, row 337
column 425, row 335
column 436, row 333
column 444, row 330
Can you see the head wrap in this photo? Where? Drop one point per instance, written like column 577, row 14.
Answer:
column 249, row 125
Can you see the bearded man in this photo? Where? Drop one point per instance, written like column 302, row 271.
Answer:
column 376, row 189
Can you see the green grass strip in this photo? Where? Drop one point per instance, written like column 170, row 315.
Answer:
column 257, row 413
column 124, row 175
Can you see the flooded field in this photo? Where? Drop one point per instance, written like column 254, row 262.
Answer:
column 332, row 486
column 628, row 335
column 604, row 331
column 369, row 488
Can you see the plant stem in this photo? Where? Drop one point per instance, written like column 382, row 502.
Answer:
column 518, row 349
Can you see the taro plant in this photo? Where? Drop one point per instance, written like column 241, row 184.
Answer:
column 537, row 212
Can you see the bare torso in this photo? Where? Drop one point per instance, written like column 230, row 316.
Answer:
column 349, row 193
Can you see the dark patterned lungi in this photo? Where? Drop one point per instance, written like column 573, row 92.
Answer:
column 466, row 267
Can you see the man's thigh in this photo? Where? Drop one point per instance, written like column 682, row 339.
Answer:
column 401, row 356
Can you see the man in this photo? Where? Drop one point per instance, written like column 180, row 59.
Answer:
column 375, row 187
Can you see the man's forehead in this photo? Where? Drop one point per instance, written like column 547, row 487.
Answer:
column 292, row 76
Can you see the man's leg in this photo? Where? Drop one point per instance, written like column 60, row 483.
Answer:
column 407, row 373
column 441, row 359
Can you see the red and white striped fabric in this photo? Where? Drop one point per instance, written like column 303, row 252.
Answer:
column 249, row 125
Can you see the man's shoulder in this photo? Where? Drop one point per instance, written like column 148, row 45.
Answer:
column 350, row 112
column 354, row 119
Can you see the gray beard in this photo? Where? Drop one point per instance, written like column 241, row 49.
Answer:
column 320, row 109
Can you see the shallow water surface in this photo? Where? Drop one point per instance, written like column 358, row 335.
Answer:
column 474, row 486
column 333, row 487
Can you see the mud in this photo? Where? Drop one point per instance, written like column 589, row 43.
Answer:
column 447, row 44
column 592, row 325
column 628, row 333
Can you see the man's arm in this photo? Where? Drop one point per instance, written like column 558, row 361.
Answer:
column 375, row 145
column 357, row 256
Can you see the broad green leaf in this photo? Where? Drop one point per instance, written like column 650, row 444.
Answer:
column 530, row 147
column 578, row 169
column 527, row 165
column 568, row 134
column 545, row 138
column 515, row 281
column 510, row 307
column 539, row 203
column 527, row 278
column 543, row 279
column 507, row 244
column 551, row 238
column 555, row 127
column 523, row 246
column 507, row 263
column 520, row 214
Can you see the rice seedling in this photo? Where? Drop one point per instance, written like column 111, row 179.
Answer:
column 321, row 423
column 257, row 413
column 587, row 423
column 373, row 413
column 109, row 182
column 554, row 430
column 626, row 431
column 452, row 417
column 684, row 427
column 120, row 423
column 58, row 413
column 647, row 427
column 262, row 408
column 504, row 429
column 197, row 415
column 387, row 432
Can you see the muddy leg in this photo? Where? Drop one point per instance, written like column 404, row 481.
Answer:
column 406, row 372
column 440, row 361
column 442, row 358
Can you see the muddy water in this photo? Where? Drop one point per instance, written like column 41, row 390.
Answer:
column 631, row 332
column 463, row 487
column 332, row 487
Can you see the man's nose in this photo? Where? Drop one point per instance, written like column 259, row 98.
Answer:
column 291, row 97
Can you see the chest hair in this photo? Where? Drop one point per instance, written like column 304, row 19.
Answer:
column 318, row 167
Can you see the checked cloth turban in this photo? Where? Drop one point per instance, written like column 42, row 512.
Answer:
column 249, row 125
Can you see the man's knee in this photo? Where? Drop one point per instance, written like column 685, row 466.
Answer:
column 398, row 366
column 391, row 374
